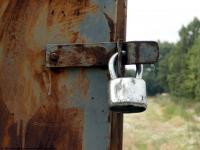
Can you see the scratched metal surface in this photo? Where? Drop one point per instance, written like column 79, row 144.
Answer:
column 59, row 108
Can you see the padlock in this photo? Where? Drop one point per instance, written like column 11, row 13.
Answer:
column 126, row 94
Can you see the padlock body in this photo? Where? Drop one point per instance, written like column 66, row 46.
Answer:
column 127, row 95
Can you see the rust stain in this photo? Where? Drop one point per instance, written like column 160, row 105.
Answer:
column 31, row 116
column 74, row 37
column 72, row 10
column 66, row 15
column 111, row 26
column 97, row 55
column 6, row 137
column 82, row 83
column 81, row 55
column 3, row 6
column 117, row 118
column 54, row 130
column 121, row 20
column 29, row 92
column 78, row 85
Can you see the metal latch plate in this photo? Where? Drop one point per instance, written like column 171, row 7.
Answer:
column 98, row 54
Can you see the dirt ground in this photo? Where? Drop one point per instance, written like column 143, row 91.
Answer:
column 165, row 125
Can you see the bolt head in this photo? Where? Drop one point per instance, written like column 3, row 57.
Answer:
column 54, row 57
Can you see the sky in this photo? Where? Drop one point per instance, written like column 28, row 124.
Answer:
column 159, row 19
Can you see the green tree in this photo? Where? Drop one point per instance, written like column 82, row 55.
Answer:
column 178, row 66
column 178, row 70
column 163, row 67
column 192, row 81
column 156, row 75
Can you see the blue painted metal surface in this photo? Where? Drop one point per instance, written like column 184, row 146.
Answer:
column 42, row 108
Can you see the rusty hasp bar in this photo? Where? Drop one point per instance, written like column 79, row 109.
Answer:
column 98, row 54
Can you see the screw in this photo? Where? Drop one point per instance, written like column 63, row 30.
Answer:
column 54, row 57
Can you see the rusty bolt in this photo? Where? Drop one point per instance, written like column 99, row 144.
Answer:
column 54, row 57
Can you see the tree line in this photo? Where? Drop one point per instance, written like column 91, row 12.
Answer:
column 178, row 69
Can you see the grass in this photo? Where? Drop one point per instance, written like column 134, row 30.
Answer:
column 166, row 125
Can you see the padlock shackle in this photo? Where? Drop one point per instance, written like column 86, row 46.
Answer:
column 111, row 67
column 139, row 71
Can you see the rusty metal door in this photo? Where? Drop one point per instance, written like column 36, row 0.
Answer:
column 62, row 108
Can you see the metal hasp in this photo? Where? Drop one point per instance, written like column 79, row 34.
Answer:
column 98, row 54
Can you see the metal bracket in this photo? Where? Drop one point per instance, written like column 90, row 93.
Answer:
column 98, row 54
